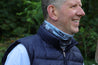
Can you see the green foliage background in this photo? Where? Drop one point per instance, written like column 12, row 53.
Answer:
column 19, row 18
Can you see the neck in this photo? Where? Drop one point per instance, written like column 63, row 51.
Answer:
column 60, row 34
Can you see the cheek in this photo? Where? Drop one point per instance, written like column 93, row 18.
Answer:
column 70, row 16
column 71, row 12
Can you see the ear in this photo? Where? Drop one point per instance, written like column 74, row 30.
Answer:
column 52, row 12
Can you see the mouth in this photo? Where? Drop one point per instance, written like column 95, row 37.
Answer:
column 76, row 21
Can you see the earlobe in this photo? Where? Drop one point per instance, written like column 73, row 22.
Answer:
column 52, row 12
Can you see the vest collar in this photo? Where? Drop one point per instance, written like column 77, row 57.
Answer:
column 53, row 40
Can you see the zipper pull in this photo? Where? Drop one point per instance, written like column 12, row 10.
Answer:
column 63, row 48
column 64, row 53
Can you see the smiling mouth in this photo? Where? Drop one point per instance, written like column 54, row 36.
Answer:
column 76, row 21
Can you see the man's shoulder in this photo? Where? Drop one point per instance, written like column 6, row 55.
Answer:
column 75, row 49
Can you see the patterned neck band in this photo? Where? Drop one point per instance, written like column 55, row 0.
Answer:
column 60, row 34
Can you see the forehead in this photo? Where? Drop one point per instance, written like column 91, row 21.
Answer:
column 71, row 2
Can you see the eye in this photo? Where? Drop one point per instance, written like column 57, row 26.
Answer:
column 73, row 6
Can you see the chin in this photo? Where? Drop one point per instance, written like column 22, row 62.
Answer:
column 76, row 31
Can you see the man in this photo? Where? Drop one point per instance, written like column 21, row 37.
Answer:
column 54, row 43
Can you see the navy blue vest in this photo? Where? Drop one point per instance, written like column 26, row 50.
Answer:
column 44, row 49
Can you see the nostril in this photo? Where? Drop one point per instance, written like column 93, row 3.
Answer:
column 82, row 13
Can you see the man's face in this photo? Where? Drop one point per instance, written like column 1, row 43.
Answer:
column 69, row 15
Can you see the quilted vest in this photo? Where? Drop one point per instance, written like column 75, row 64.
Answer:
column 43, row 49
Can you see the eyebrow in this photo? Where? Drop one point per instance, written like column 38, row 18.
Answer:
column 80, row 4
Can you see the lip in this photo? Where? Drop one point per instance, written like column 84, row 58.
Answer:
column 76, row 20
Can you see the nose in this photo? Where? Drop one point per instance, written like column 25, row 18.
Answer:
column 80, row 12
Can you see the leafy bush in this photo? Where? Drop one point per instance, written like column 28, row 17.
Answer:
column 19, row 17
